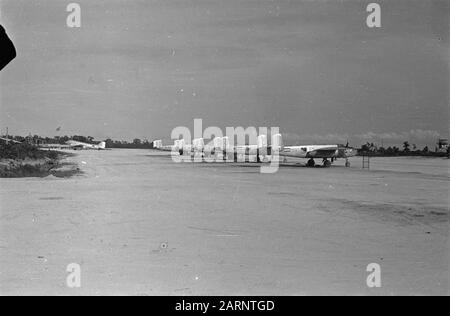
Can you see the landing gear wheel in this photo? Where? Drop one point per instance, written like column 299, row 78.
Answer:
column 326, row 163
column 311, row 163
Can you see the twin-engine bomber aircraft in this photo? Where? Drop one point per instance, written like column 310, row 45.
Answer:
column 75, row 145
column 262, row 152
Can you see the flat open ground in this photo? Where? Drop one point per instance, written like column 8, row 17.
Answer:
column 139, row 224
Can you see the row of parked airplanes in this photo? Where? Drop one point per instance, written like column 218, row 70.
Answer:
column 262, row 151
column 222, row 147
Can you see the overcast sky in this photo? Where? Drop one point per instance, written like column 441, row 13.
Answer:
column 313, row 68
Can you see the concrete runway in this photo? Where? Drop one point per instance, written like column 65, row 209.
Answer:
column 138, row 224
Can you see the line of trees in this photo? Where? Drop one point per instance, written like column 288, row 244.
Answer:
column 406, row 150
column 136, row 144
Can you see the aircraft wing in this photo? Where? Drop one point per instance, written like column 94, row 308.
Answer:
column 10, row 140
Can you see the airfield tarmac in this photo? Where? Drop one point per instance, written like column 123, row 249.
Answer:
column 138, row 224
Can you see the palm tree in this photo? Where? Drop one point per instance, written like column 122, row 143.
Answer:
column 406, row 146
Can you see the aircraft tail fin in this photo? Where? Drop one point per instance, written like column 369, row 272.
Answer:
column 277, row 142
column 157, row 144
column 218, row 143
column 198, row 144
column 262, row 141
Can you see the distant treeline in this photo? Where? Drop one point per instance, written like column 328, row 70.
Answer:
column 370, row 149
column 136, row 144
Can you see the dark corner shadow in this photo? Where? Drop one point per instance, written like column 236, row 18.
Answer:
column 8, row 51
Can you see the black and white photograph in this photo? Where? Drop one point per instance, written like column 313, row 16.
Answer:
column 224, row 154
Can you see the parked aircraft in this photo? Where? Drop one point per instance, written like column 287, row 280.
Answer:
column 328, row 153
column 75, row 145
column 221, row 149
column 157, row 144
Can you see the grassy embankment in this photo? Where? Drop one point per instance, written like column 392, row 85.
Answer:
column 24, row 160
